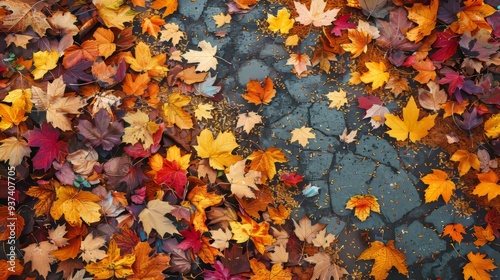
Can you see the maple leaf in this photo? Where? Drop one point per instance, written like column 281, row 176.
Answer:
column 478, row 266
column 292, row 40
column 391, row 33
column 221, row 19
column 136, row 84
column 207, row 253
column 143, row 61
column 302, row 135
column 280, row 255
column 453, row 107
column 205, row 58
column 50, row 148
column 171, row 33
column 386, row 257
column 56, row 104
column 245, row 4
column 169, row 5
column 362, row 205
column 492, row 126
column 39, row 254
column 248, row 121
column 152, row 25
column 455, row 231
column 153, row 217
column 141, row 129
column 446, row 43
column 483, row 235
column 46, row 194
column 376, row 113
column 316, row 14
column 189, row 76
column 88, row 50
column 425, row 17
column 291, row 179
column 13, row 150
column 221, row 238
column 18, row 40
column 56, row 236
column 467, row 160
column 376, row 74
column 203, row 111
column 6, row 271
column 425, row 70
column 174, row 114
column 322, row 239
column 44, row 61
column 104, row 133
column 433, row 98
column 439, row 185
column 242, row 183
column 105, row 41
column 338, row 98
column 279, row 215
column 323, row 58
column 253, row 206
column 11, row 115
column 348, row 137
column 359, row 42
column 20, row 98
column 258, row 94
column 113, row 14
column 488, row 185
column 218, row 151
column 472, row 17
column 114, row 265
column 147, row 266
column 250, row 229
column 281, row 22
column 264, row 161
column 22, row 16
column 76, row 205
column 305, row 231
column 416, row 129
column 262, row 273
column 90, row 251
column 192, row 239
column 324, row 268
column 299, row 62
column 207, row 87
column 202, row 199
column 342, row 24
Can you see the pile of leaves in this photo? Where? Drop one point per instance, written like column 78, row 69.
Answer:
column 124, row 171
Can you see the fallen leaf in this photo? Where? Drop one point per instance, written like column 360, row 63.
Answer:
column 39, row 254
column 302, row 135
column 104, row 133
column 221, row 238
column 280, row 255
column 248, row 121
column 359, row 42
column 453, row 107
column 279, row 215
column 426, row 70
column 467, row 160
column 22, row 16
column 299, row 62
column 145, row 62
column 455, row 231
column 173, row 112
column 342, row 24
column 292, row 40
column 397, row 85
column 316, row 15
column 323, row 239
column 337, row 98
column 426, row 18
column 171, row 33
column 433, row 98
column 90, row 248
column 472, row 17
column 88, row 50
column 221, row 19
column 260, row 95
column 205, row 58
column 348, row 138
column 281, row 22
column 136, row 84
column 262, row 273
column 203, row 110
column 13, row 150
column 258, row 233
column 141, row 129
column 264, row 161
column 76, row 205
column 243, row 182
column 105, row 41
column 439, row 185
column 202, row 199
column 169, row 5
column 376, row 74
column 362, row 205
column 324, row 268
column 263, row 198
column 114, row 265
column 218, row 151
column 492, row 126
column 153, row 217
column 44, row 61
column 483, row 235
column 386, row 257
column 478, row 266
column 46, row 194
column 113, row 13
column 488, row 185
column 305, row 231
column 376, row 113
column 189, row 76
column 245, row 4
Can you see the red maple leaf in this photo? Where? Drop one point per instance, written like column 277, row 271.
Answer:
column 342, row 24
column 50, row 148
column 446, row 43
column 453, row 79
column 173, row 176
column 493, row 220
column 366, row 102
column 291, row 179
column 192, row 240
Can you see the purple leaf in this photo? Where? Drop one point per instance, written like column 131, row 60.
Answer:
column 391, row 36
column 179, row 259
column 492, row 96
column 471, row 88
column 104, row 133
column 478, row 46
column 220, row 273
column 448, row 10
column 494, row 22
column 397, row 58
column 469, row 120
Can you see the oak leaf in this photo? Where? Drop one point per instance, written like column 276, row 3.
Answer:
column 467, row 160
column 221, row 19
column 439, row 185
column 386, row 257
column 169, row 5
column 218, row 151
column 145, row 62
column 409, row 127
column 362, row 205
column 478, row 266
column 13, row 150
column 76, row 205
column 264, row 161
column 205, row 58
column 173, row 112
column 141, row 129
column 324, row 268
column 316, row 15
column 302, row 135
column 455, row 231
column 202, row 199
column 426, row 18
column 258, row 94
column 243, row 182
column 39, row 254
column 488, row 185
column 376, row 74
column 153, row 217
column 147, row 266
column 281, row 22
column 113, row 13
column 248, row 121
column 299, row 62
column 114, row 265
column 305, row 231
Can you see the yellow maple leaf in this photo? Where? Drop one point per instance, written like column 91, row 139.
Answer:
column 203, row 111
column 262, row 273
column 472, row 17
column 143, row 61
column 292, row 40
column 243, row 182
column 174, row 114
column 376, row 74
column 453, row 107
column 221, row 19
column 386, row 257
column 46, row 194
column 488, row 185
column 337, row 98
column 258, row 233
column 201, row 199
column 455, row 231
column 439, row 185
column 264, row 161
column 425, row 16
column 44, row 61
column 217, row 151
column 76, row 205
column 467, row 160
column 141, row 129
column 362, row 205
column 302, row 135
column 114, row 265
column 359, row 42
column 113, row 14
column 169, row 5
column 400, row 129
column 20, row 98
column 478, row 267
column 104, row 39
column 11, row 116
column 14, row 150
column 492, row 126
column 281, row 22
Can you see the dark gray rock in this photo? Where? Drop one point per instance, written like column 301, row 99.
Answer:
column 417, row 242
column 314, row 165
column 328, row 121
column 377, row 149
column 447, row 214
column 192, row 9
column 253, row 69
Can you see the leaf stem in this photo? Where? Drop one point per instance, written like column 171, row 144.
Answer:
column 221, row 58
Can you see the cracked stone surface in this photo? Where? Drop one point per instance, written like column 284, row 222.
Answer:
column 417, row 242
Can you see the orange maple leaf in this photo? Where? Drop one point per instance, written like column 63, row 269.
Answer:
column 386, row 257
column 250, row 229
column 76, row 205
column 483, row 235
column 455, row 231
column 279, row 215
column 264, row 161
column 105, row 41
column 262, row 273
column 152, row 25
column 144, row 62
column 359, row 42
column 488, row 185
column 478, row 266
column 88, row 50
column 425, row 70
column 207, row 252
column 362, row 205
column 114, row 265
column 146, row 266
column 6, row 218
column 467, row 160
column 135, row 84
column 169, row 5
column 425, row 16
column 472, row 17
column 245, row 4
column 253, row 206
column 46, row 194
column 258, row 94
column 202, row 199
column 439, row 185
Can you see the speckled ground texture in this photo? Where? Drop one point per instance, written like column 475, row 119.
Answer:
column 371, row 165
